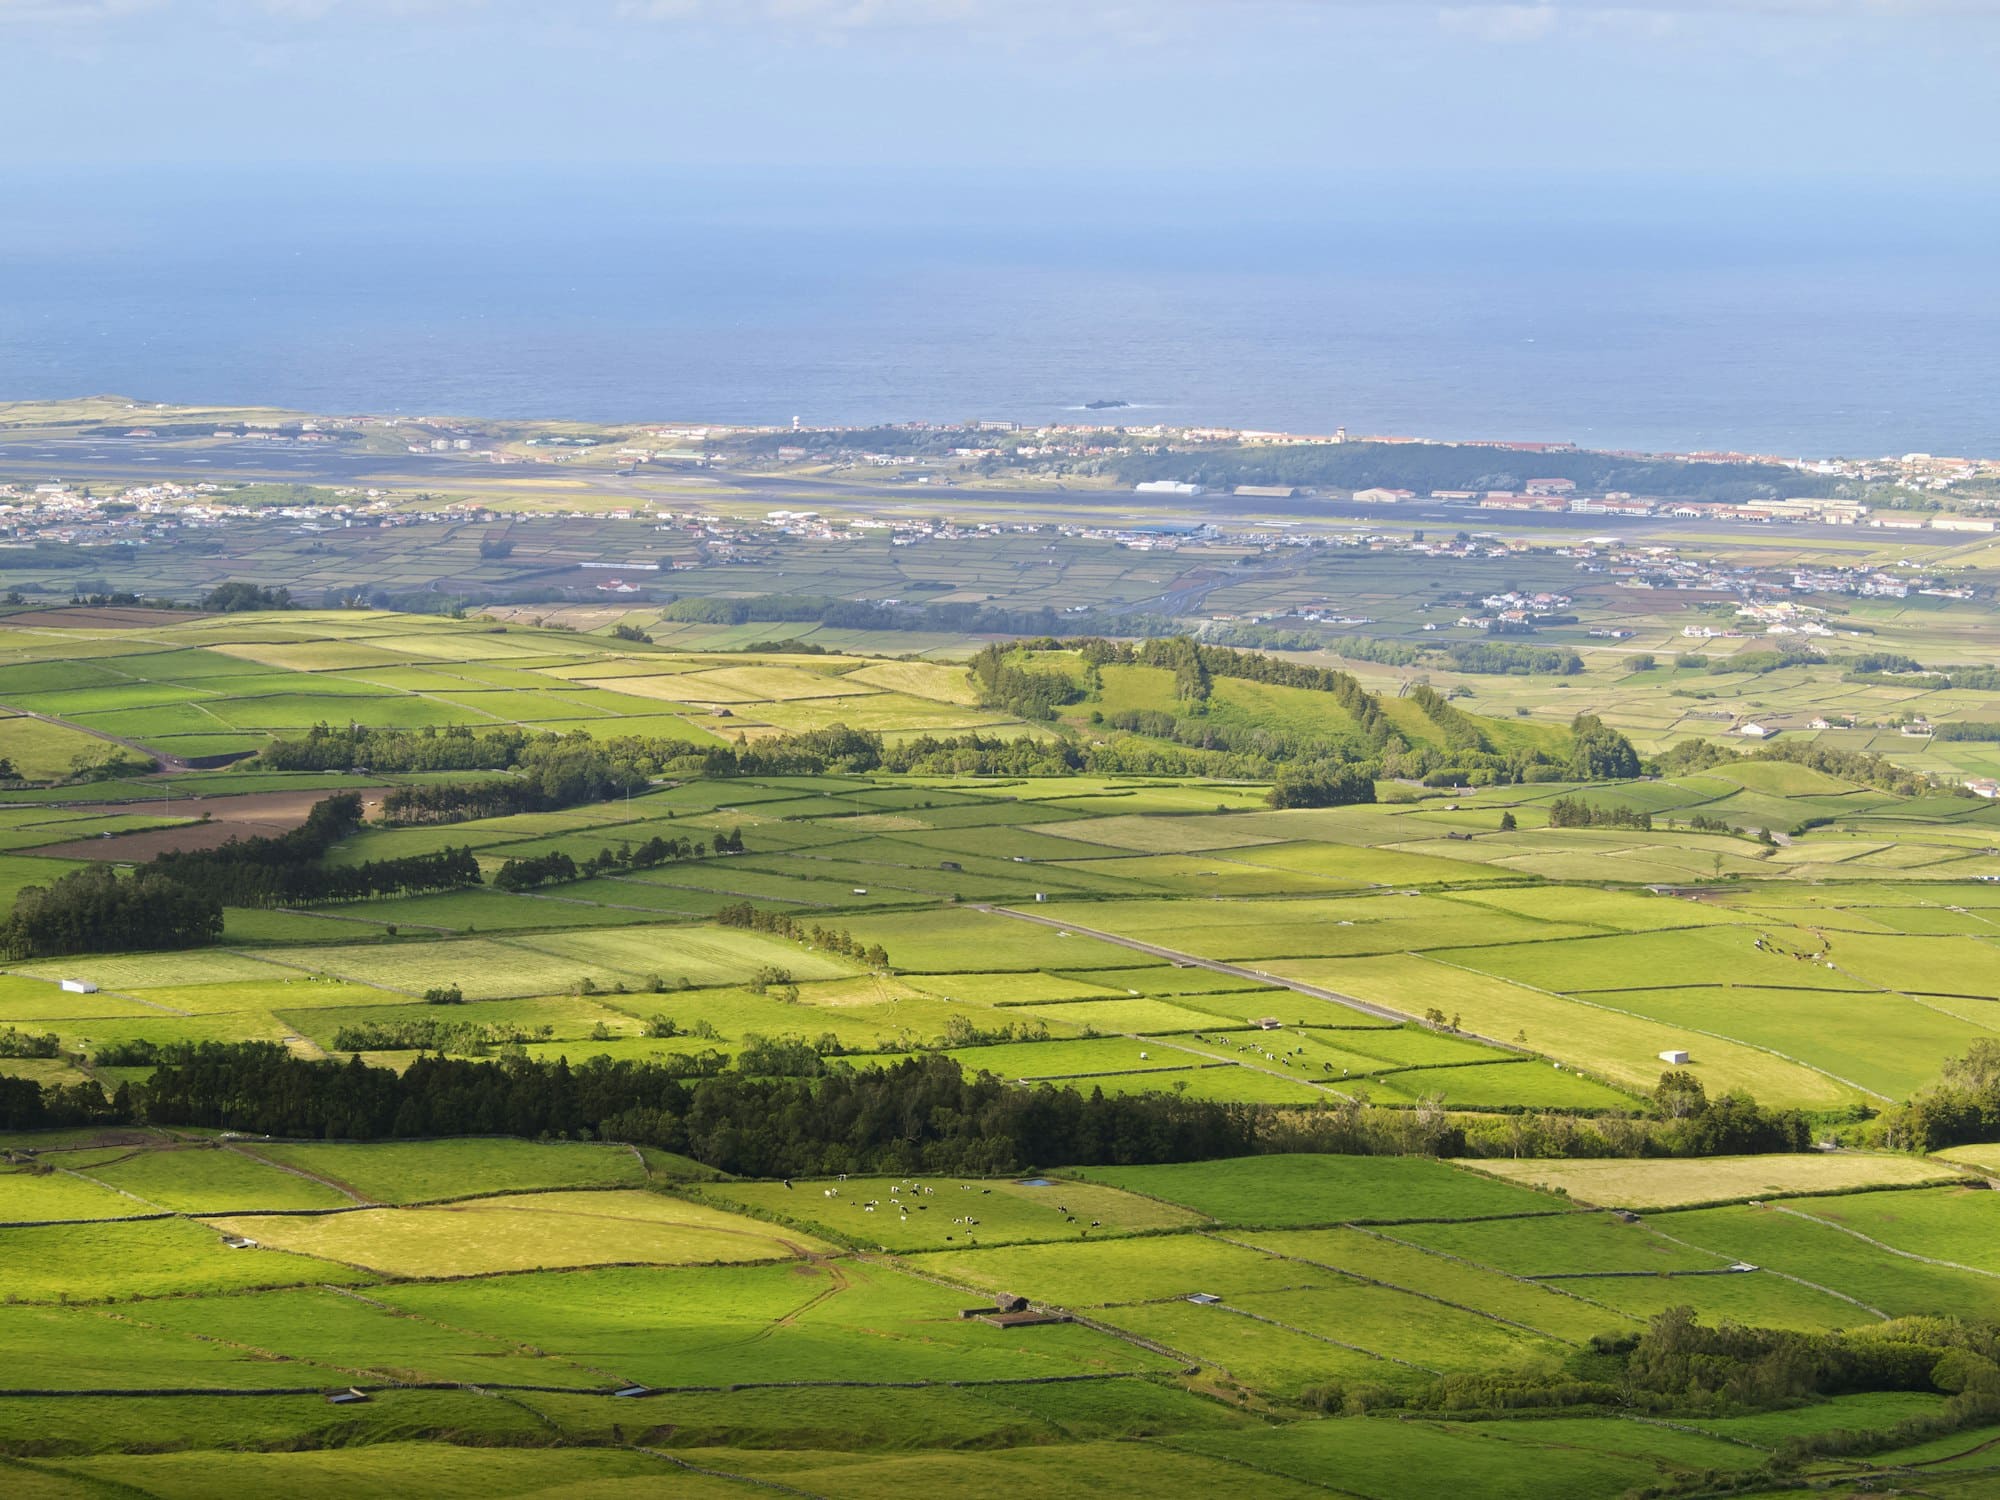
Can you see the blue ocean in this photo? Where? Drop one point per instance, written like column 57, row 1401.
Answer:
column 1803, row 318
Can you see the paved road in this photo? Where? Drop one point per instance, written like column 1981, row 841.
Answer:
column 1172, row 955
column 167, row 763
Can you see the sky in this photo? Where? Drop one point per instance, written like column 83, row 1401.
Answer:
column 1824, row 90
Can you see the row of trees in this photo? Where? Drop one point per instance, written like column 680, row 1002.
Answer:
column 557, row 867
column 1321, row 786
column 424, row 1033
column 290, row 868
column 920, row 1115
column 1505, row 659
column 327, row 748
column 176, row 901
column 785, row 1109
column 1574, row 812
column 783, row 924
column 17, row 1043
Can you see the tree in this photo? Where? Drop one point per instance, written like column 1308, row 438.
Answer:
column 1680, row 1095
column 1320, row 786
column 1508, row 823
column 1601, row 753
column 232, row 598
column 1978, row 1071
column 93, row 911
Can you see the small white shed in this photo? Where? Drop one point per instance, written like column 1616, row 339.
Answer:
column 79, row 987
column 1673, row 1055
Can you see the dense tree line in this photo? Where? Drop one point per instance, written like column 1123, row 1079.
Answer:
column 289, row 868
column 1320, row 786
column 234, row 598
column 27, row 1105
column 1980, row 678
column 1871, row 663
column 462, row 801
column 919, row 1115
column 94, row 910
column 17, row 1043
column 1505, row 659
column 1983, row 731
column 974, row 754
column 911, row 1114
column 1306, row 638
column 425, row 1033
column 1460, row 730
column 864, row 614
column 534, row 870
column 553, row 770
column 352, row 746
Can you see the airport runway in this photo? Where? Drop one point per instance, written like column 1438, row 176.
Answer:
column 141, row 461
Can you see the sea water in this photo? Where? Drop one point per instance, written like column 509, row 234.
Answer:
column 1813, row 319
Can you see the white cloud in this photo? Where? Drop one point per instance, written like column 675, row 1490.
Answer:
column 71, row 12
column 1500, row 23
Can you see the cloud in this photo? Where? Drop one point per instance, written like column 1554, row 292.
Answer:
column 1500, row 23
column 71, row 12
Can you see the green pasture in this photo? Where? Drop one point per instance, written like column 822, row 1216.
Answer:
column 1681, row 1182
column 1580, row 1459
column 1839, row 970
column 397, row 1172
column 539, row 1231
column 1285, row 1191
column 209, row 1179
column 1824, row 1255
column 1371, row 1256
column 1620, row 1047
column 923, row 1213
column 790, row 1321
column 103, row 1262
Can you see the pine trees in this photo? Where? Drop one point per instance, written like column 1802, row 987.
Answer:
column 92, row 910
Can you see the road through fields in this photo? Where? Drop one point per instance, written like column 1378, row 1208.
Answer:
column 1189, row 960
